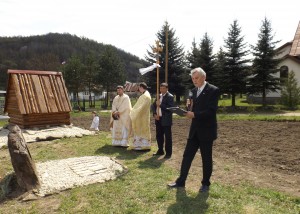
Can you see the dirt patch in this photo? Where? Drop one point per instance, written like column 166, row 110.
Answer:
column 265, row 154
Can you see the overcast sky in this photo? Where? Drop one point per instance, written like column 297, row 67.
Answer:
column 132, row 24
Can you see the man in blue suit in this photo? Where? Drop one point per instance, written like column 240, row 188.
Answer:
column 163, row 121
column 203, row 129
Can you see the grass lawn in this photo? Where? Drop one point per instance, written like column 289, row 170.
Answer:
column 142, row 190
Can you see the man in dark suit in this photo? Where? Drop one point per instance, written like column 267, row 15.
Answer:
column 203, row 129
column 163, row 121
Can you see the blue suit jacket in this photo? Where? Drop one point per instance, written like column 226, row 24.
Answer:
column 204, row 124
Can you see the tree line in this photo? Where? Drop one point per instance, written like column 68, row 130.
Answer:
column 237, row 68
column 85, row 64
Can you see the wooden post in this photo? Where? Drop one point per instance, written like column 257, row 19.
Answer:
column 157, row 50
column 21, row 160
column 166, row 55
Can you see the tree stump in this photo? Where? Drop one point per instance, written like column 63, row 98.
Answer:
column 21, row 160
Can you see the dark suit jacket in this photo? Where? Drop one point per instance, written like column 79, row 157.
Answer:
column 167, row 101
column 204, row 124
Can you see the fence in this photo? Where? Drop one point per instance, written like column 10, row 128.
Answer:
column 1, row 105
column 90, row 104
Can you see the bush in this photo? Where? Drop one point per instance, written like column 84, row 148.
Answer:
column 290, row 93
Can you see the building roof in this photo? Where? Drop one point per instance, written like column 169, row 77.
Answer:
column 131, row 87
column 37, row 92
column 284, row 45
column 295, row 50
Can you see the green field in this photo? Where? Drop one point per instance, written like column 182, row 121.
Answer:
column 142, row 190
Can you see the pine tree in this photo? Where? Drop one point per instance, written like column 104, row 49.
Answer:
column 206, row 57
column 203, row 57
column 220, row 74
column 193, row 56
column 290, row 93
column 191, row 59
column 176, row 63
column 236, row 66
column 264, row 64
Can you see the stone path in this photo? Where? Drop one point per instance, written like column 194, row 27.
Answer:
column 46, row 134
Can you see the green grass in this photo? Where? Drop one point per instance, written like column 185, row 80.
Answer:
column 3, row 122
column 143, row 189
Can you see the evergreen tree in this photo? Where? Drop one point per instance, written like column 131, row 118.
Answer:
column 193, row 56
column 264, row 64
column 236, row 66
column 191, row 61
column 203, row 57
column 290, row 93
column 220, row 74
column 206, row 58
column 176, row 63
column 112, row 71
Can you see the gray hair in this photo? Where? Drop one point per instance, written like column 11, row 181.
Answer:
column 198, row 70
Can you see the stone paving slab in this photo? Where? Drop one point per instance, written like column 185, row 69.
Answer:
column 59, row 175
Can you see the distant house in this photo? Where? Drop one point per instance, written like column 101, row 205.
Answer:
column 289, row 53
column 131, row 87
column 37, row 99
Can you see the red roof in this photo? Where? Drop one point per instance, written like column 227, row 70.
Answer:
column 295, row 50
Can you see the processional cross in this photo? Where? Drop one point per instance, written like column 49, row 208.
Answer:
column 157, row 50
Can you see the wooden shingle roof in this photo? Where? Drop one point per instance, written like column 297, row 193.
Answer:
column 295, row 50
column 131, row 87
column 37, row 92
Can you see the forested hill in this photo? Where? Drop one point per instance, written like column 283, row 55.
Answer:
column 48, row 52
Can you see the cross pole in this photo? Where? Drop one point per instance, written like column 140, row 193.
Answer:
column 157, row 50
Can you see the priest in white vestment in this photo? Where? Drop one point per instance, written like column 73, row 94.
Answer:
column 140, row 117
column 120, row 120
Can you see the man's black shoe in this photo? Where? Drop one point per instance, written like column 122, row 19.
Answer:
column 175, row 185
column 158, row 154
column 167, row 157
column 204, row 188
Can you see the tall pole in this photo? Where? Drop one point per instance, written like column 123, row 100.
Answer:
column 166, row 55
column 157, row 50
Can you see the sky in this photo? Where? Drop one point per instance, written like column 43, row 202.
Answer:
column 132, row 25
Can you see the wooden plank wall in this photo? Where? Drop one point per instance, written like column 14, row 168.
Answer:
column 37, row 99
column 40, row 93
column 40, row 120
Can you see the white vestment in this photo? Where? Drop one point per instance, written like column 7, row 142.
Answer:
column 121, row 128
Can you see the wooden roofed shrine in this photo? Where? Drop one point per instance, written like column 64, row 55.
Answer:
column 37, row 99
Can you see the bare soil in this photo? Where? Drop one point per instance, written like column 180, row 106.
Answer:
column 264, row 154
